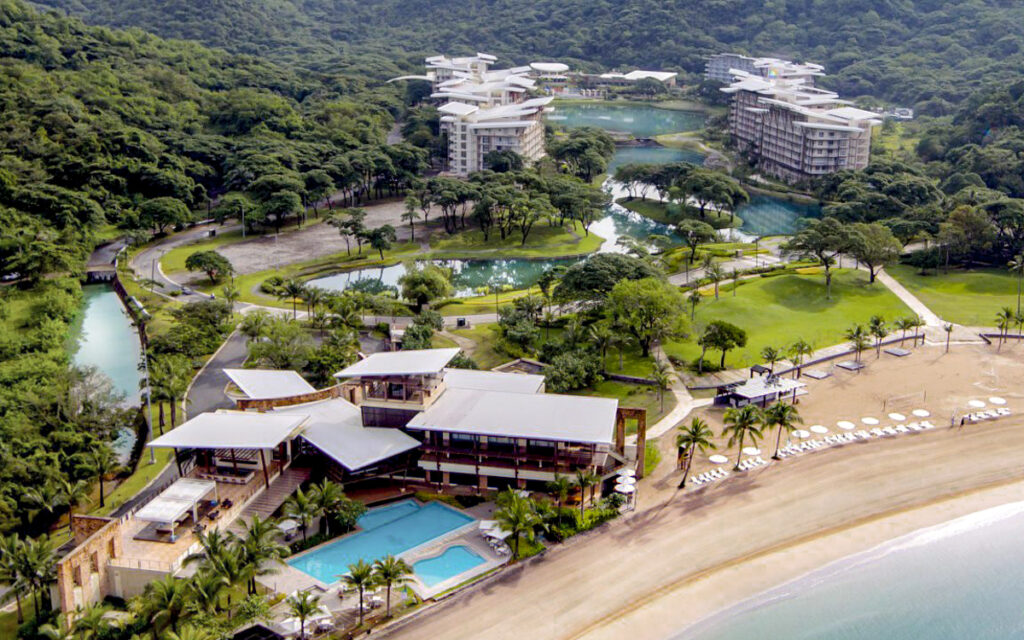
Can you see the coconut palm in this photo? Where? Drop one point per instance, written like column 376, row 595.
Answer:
column 37, row 565
column 585, row 479
column 391, row 571
column 231, row 294
column 326, row 496
column 300, row 507
column 601, row 336
column 47, row 497
column 74, row 493
column 175, row 376
column 206, row 590
column 740, row 424
column 559, row 489
column 878, row 329
column 292, row 290
column 91, row 621
column 916, row 323
column 661, row 374
column 164, row 604
column 783, row 416
column 518, row 516
column 303, row 605
column 716, row 274
column 102, row 462
column 735, row 276
column 694, row 437
column 694, row 299
column 771, row 355
column 259, row 550
column 63, row 630
column 1004, row 320
column 191, row 632
column 361, row 577
column 12, row 550
column 799, row 351
column 903, row 324
column 858, row 339
column 254, row 324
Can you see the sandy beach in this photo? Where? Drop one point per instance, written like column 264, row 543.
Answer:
column 684, row 555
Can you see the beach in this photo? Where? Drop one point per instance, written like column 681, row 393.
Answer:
column 684, row 555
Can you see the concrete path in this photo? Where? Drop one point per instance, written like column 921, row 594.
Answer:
column 930, row 318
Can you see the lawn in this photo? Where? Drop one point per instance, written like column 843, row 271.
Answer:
column 971, row 298
column 542, row 242
column 667, row 213
column 174, row 260
column 633, row 395
column 482, row 304
column 484, row 353
column 776, row 311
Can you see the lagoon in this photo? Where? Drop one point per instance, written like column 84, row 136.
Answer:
column 639, row 120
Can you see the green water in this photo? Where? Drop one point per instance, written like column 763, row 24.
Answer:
column 640, row 121
column 652, row 154
column 769, row 216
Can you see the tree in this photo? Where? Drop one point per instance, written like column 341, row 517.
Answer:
column 518, row 516
column 878, row 329
column 904, row 324
column 73, row 494
column 12, row 563
column 660, row 374
column 213, row 264
column 822, row 240
column 381, row 238
column 723, row 336
column 585, row 478
column 422, row 284
column 350, row 224
column 716, row 274
column 785, row 417
column 590, row 280
column 650, row 309
column 327, row 496
column 740, row 424
column 874, row 245
column 102, row 462
column 559, row 488
column 411, row 214
column 391, row 572
column 292, row 290
column 694, row 437
column 285, row 344
column 800, row 350
column 303, row 605
column 1004, row 320
column 694, row 234
column 771, row 355
column 280, row 206
column 160, row 213
column 694, row 299
column 361, row 577
column 258, row 550
column 300, row 507
column 858, row 339
column 164, row 604
column 503, row 161
column 230, row 294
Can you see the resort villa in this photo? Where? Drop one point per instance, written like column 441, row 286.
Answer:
column 395, row 420
column 793, row 130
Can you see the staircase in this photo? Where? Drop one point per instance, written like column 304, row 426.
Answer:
column 271, row 499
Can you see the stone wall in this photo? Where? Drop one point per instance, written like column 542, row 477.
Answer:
column 83, row 574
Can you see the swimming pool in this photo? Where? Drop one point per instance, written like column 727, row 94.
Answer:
column 449, row 564
column 393, row 529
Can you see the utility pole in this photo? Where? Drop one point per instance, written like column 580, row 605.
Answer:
column 149, row 404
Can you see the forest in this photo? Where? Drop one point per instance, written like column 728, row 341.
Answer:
column 921, row 53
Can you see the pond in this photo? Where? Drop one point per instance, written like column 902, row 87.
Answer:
column 108, row 341
column 652, row 154
column 641, row 121
column 770, row 216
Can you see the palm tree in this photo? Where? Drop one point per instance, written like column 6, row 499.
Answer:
column 326, row 496
column 661, row 375
column 91, row 621
column 694, row 299
column 716, row 274
column 904, row 324
column 292, row 290
column 304, row 605
column 771, row 355
column 585, row 478
column 391, row 571
column 1018, row 319
column 177, row 375
column 231, row 294
column 47, row 497
column 411, row 213
column 785, row 417
column 740, row 424
column 858, row 339
column 361, row 576
column 74, row 493
column 12, row 551
column 300, row 507
column 63, row 630
column 916, row 323
column 694, row 437
column 800, row 350
column 948, row 328
column 878, row 329
column 205, row 591
column 518, row 516
column 735, row 275
column 102, row 462
column 1004, row 320
column 254, row 324
column 191, row 632
column 601, row 337
column 559, row 489
column 37, row 565
column 1016, row 266
column 259, row 550
column 164, row 604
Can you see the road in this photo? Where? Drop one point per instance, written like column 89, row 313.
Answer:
column 146, row 264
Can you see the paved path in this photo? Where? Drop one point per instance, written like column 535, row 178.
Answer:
column 207, row 391
column 146, row 264
column 930, row 318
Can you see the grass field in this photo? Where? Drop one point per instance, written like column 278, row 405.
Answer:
column 970, row 298
column 635, row 396
column 779, row 310
column 663, row 212
column 543, row 242
column 174, row 260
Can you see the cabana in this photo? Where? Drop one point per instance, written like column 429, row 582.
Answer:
column 223, row 433
column 760, row 391
column 173, row 505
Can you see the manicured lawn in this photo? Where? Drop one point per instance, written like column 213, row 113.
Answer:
column 485, row 336
column 667, row 213
column 652, row 456
column 543, row 242
column 779, row 310
column 970, row 298
column 482, row 304
column 633, row 395
column 174, row 260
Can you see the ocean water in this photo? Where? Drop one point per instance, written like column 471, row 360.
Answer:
column 962, row 580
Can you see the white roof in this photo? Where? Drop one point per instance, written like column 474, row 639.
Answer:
column 261, row 384
column 231, row 429
column 853, row 113
column 760, row 386
column 549, row 67
column 400, row 363
column 492, row 381
column 661, row 76
column 458, row 108
column 540, row 416
column 335, row 427
column 176, row 500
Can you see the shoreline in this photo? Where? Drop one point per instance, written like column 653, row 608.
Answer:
column 729, row 590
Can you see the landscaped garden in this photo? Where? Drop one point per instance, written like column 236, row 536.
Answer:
column 971, row 298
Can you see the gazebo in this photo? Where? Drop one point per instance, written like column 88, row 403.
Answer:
column 173, row 505
column 760, row 390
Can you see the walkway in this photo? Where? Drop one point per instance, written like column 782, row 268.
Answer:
column 909, row 299
column 270, row 500
column 207, row 390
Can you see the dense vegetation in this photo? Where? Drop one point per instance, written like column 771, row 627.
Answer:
column 917, row 52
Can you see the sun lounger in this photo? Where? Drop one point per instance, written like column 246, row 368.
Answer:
column 927, row 424
column 877, row 432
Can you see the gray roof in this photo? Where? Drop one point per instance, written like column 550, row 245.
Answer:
column 335, row 427
column 540, row 416
column 400, row 363
column 492, row 381
column 263, row 384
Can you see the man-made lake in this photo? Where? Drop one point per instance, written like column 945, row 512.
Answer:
column 770, row 216
column 109, row 342
column 652, row 154
column 638, row 120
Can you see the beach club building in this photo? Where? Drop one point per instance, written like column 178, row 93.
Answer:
column 395, row 420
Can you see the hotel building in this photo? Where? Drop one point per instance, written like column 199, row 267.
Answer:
column 793, row 130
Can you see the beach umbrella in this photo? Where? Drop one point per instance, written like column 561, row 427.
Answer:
column 819, row 429
column 845, row 425
column 625, row 488
column 997, row 400
column 626, row 480
column 898, row 417
column 627, row 473
column 921, row 413
column 718, row 459
column 802, row 433
column 976, row 404
column 869, row 421
column 751, row 451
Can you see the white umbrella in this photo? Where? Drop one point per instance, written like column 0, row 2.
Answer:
column 997, row 400
column 718, row 459
column 976, row 404
column 898, row 417
column 626, row 473
column 802, row 433
column 921, row 413
column 870, row 421
column 626, row 480
column 625, row 488
column 845, row 425
column 819, row 429
column 751, row 451
column 287, row 526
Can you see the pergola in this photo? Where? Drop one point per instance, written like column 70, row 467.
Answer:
column 174, row 502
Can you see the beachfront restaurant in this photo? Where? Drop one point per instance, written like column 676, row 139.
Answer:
column 760, row 391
